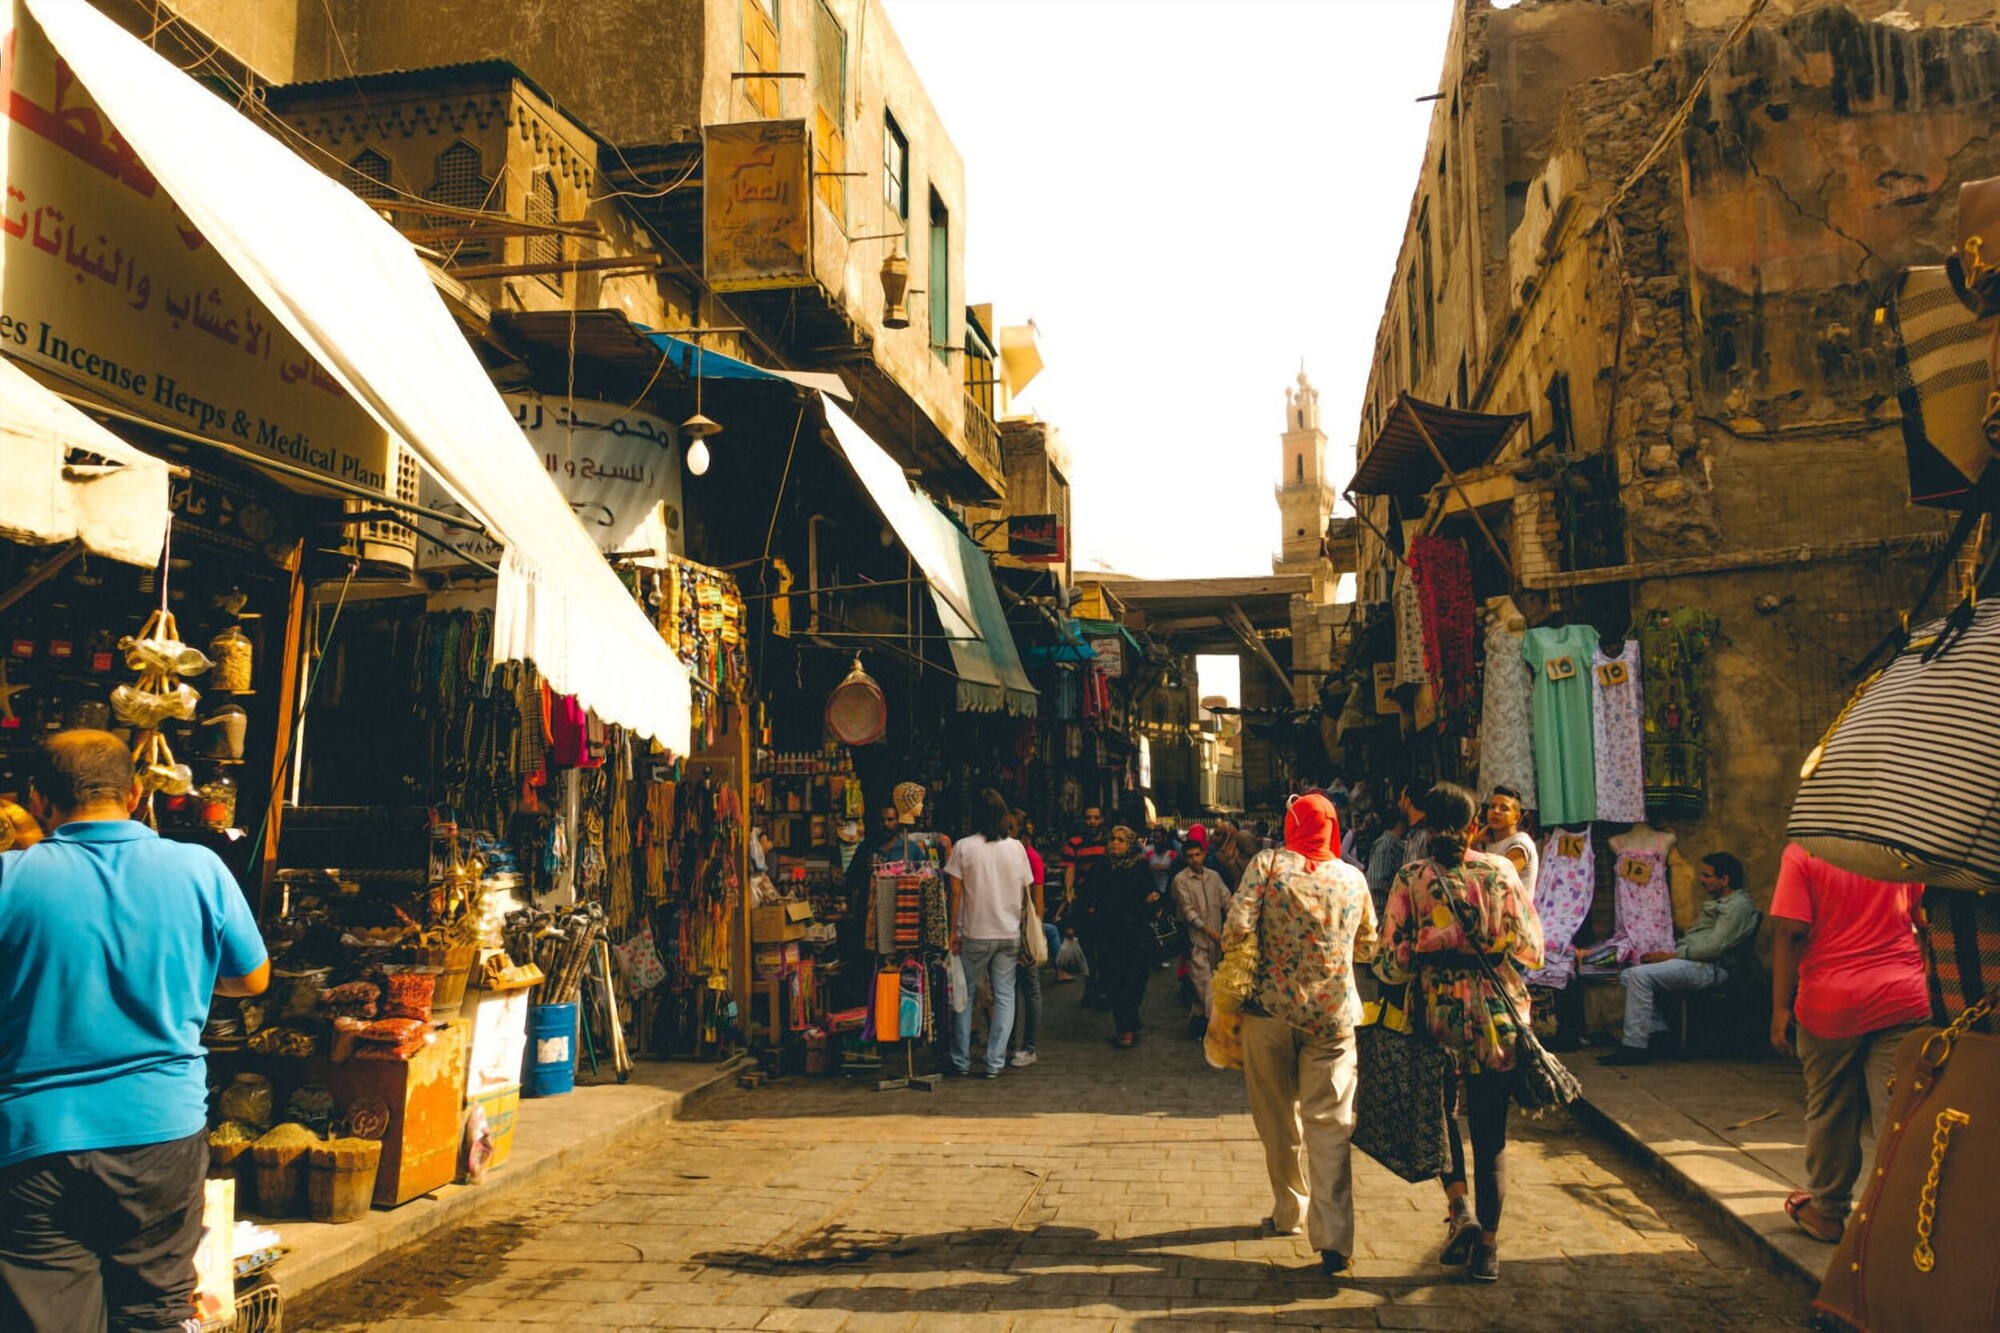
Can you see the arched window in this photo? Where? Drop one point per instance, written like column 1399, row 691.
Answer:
column 1299, row 466
column 546, row 248
column 461, row 182
column 368, row 175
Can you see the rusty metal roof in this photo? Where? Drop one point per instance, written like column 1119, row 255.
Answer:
column 1399, row 463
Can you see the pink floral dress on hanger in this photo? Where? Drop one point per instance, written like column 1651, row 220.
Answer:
column 1645, row 907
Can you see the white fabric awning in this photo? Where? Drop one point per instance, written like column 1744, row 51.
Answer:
column 117, row 508
column 352, row 291
column 983, row 654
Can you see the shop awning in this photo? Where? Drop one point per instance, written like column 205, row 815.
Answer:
column 706, row 363
column 352, row 291
column 1402, row 461
column 984, row 658
column 117, row 507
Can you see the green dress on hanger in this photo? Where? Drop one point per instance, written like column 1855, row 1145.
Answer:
column 1565, row 758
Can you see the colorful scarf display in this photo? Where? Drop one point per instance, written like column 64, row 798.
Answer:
column 1443, row 574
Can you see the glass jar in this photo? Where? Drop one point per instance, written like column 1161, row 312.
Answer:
column 231, row 651
column 220, row 734
column 248, row 1100
column 217, row 802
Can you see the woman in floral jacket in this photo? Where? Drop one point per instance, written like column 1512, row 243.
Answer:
column 1441, row 910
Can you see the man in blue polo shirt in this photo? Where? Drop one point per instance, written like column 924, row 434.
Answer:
column 114, row 940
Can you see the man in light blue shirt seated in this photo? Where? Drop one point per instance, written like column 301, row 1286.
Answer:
column 115, row 940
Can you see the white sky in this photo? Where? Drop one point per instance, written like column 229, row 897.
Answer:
column 1187, row 197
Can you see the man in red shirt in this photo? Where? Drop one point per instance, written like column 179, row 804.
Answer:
column 1845, row 965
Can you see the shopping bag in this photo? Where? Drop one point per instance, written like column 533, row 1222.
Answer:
column 955, row 990
column 1399, row 1110
column 639, row 959
column 1034, row 943
column 1222, row 1044
column 1070, row 958
column 1918, row 1251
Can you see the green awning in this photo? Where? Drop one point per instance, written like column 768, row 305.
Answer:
column 960, row 577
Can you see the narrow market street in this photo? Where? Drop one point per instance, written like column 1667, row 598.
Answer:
column 1100, row 1189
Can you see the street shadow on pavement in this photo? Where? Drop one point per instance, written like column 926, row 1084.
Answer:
column 1194, row 1278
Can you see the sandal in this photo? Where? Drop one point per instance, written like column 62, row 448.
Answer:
column 1127, row 1040
column 1805, row 1214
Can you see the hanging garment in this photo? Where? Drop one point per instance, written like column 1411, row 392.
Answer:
column 887, row 1021
column 910, row 1003
column 1675, row 647
column 1563, row 894
column 908, row 929
column 1409, row 629
column 1565, row 770
column 1618, row 743
column 1443, row 576
column 569, row 729
column 1506, row 726
column 1645, row 907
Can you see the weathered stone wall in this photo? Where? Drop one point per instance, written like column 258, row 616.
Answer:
column 1729, row 393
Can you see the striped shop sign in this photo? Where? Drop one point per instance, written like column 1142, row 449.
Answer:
column 1906, row 785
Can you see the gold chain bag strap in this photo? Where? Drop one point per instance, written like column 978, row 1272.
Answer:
column 1920, row 1251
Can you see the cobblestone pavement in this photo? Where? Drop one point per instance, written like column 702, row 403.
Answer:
column 1099, row 1190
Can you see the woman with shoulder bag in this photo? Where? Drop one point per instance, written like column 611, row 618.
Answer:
column 1445, row 911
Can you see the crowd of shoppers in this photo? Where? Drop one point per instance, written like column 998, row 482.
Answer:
column 1436, row 889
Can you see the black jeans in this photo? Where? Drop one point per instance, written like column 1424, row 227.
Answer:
column 105, row 1239
column 1486, row 1098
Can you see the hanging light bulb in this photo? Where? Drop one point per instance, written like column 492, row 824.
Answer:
column 698, row 428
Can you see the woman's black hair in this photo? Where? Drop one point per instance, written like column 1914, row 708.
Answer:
column 993, row 815
column 1448, row 810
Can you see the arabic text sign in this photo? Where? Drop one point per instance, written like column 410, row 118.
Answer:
column 757, row 205
column 106, row 285
column 618, row 469
column 1035, row 539
column 1110, row 652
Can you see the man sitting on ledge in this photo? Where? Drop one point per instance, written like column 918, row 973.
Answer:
column 1728, row 919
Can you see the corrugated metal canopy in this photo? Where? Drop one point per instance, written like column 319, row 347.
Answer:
column 1399, row 463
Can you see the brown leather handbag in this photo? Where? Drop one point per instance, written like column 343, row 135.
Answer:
column 1920, row 1253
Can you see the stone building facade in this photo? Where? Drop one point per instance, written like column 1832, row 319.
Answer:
column 1664, row 237
column 596, row 113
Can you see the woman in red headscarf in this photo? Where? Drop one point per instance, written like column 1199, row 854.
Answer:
column 1311, row 917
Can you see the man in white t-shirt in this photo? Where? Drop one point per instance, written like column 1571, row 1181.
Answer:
column 989, row 877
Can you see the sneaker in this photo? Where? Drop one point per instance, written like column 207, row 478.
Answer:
column 1269, row 1228
column 986, row 1073
column 1022, row 1059
column 1463, row 1234
column 1485, row 1263
column 1626, row 1055
column 1332, row 1263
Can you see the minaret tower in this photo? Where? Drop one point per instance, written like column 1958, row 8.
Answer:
column 1305, row 492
